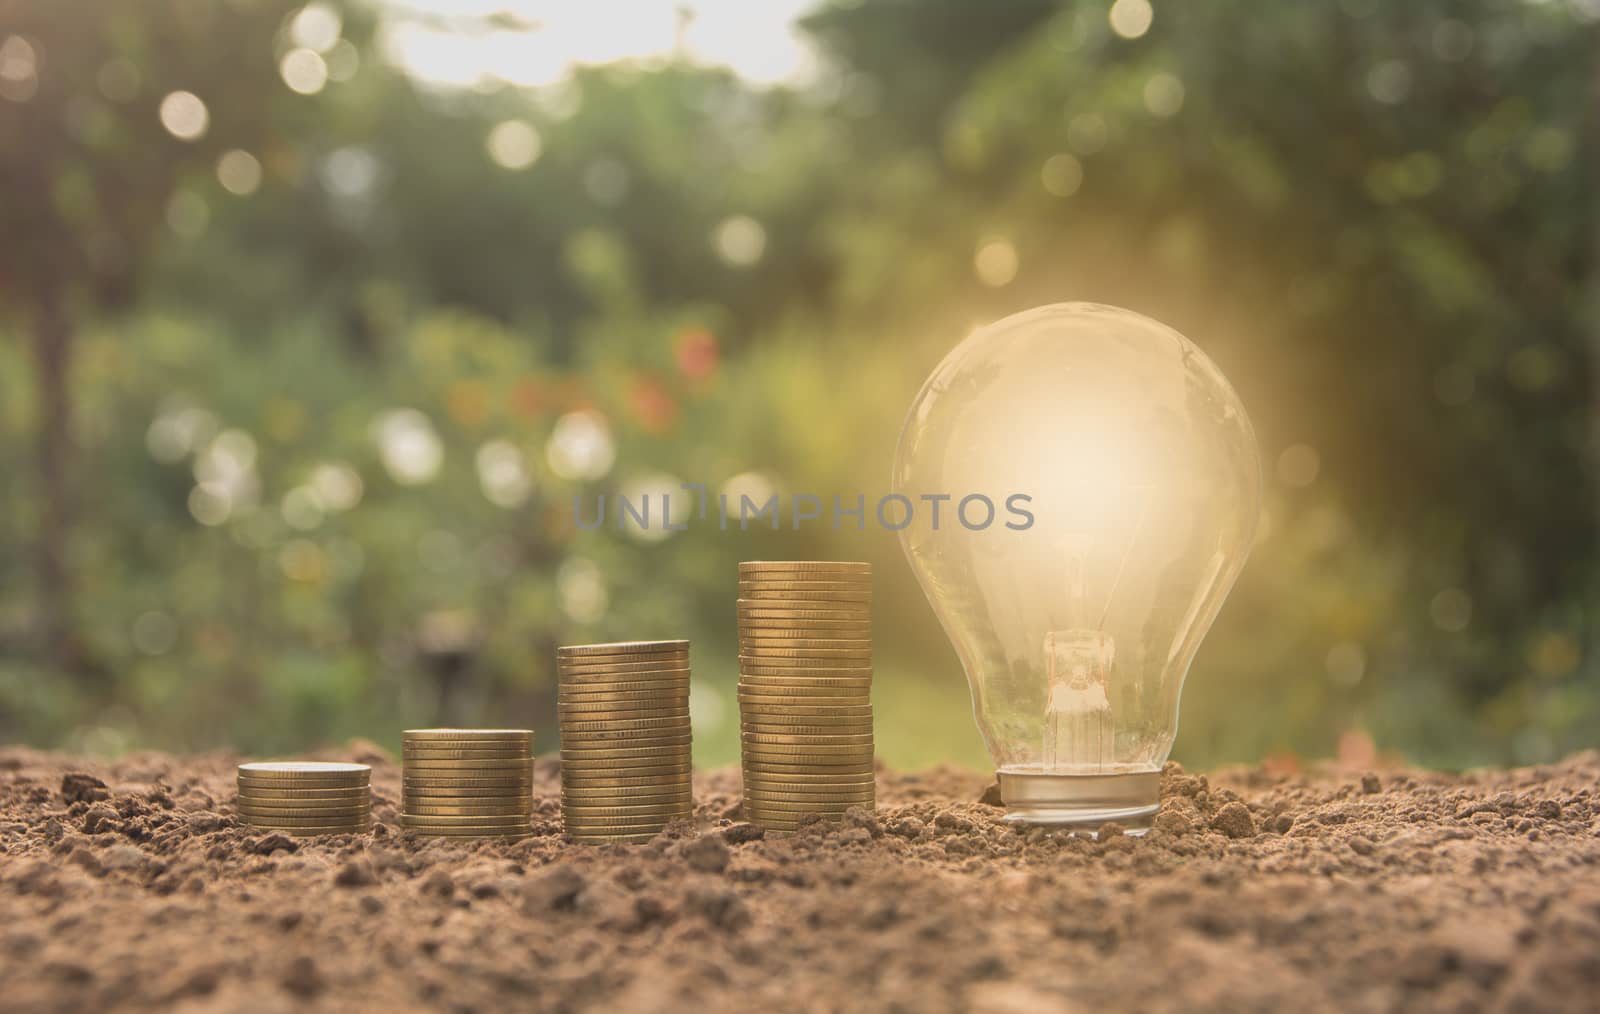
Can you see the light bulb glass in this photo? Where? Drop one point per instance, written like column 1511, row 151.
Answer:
column 1076, row 629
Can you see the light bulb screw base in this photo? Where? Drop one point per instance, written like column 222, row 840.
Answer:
column 1082, row 802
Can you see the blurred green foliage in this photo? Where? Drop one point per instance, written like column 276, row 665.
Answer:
column 330, row 373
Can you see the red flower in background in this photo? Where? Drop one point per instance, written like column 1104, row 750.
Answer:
column 695, row 350
column 527, row 398
column 652, row 404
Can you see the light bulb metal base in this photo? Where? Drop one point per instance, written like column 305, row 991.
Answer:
column 1083, row 802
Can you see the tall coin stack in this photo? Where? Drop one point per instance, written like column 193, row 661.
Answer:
column 306, row 797
column 467, row 783
column 625, row 740
column 805, row 686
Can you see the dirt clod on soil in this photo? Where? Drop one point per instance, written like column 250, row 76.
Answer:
column 132, row 886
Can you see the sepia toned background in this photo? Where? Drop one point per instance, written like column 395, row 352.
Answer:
column 314, row 319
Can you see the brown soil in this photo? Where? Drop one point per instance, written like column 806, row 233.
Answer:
column 130, row 886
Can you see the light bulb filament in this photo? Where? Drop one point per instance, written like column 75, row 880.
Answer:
column 1077, row 727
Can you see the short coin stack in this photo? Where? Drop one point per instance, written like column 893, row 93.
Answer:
column 805, row 686
column 467, row 783
column 625, row 741
column 306, row 797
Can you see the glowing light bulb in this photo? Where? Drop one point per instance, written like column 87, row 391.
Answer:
column 1076, row 631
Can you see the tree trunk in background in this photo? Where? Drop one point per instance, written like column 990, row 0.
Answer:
column 52, row 356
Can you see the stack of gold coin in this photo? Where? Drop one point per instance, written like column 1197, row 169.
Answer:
column 625, row 740
column 467, row 783
column 805, row 689
column 306, row 797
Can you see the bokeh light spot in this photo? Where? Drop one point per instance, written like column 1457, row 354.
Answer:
column 1389, row 82
column 1131, row 18
column 304, row 71
column 185, row 116
column 316, row 27
column 580, row 446
column 19, row 69
column 239, row 172
column 513, row 144
column 503, row 474
column 740, row 240
column 1163, row 94
column 408, row 446
column 1062, row 174
column 996, row 263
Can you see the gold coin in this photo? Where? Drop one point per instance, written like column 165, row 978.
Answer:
column 806, row 632
column 488, row 786
column 804, row 675
column 351, row 816
column 797, row 689
column 578, row 746
column 303, row 782
column 586, row 809
column 806, row 711
column 640, row 672
column 602, row 692
column 625, row 766
column 805, row 566
column 798, row 808
column 268, row 792
column 626, row 821
column 758, row 765
column 825, row 739
column 625, row 769
column 759, row 653
column 470, row 764
column 578, row 713
column 847, row 779
column 768, row 729
column 317, row 832
column 471, row 820
column 257, row 803
column 780, row 698
column 296, row 770
column 752, row 647
column 413, row 800
column 649, row 795
column 612, row 839
column 316, row 821
column 621, row 648
column 463, row 754
column 806, row 612
column 857, row 612
column 599, row 749
column 814, row 583
column 623, row 782
column 673, row 721
column 806, row 670
column 622, row 702
column 451, row 736
column 778, row 792
column 824, row 597
column 810, row 612
column 786, row 753
column 419, row 810
column 468, row 832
